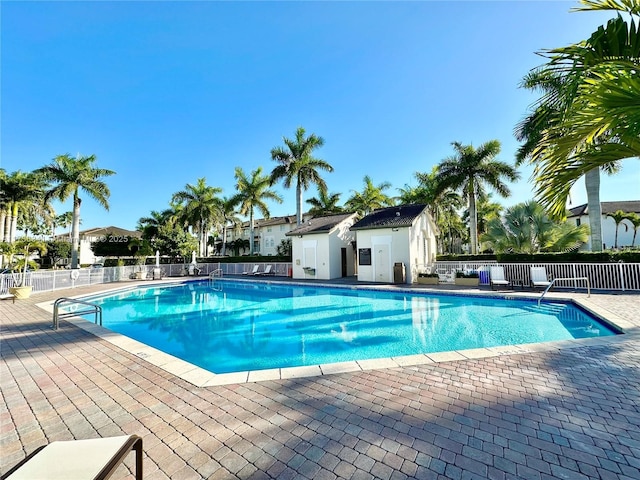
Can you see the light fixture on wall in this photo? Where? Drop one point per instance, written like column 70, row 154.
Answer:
column 394, row 229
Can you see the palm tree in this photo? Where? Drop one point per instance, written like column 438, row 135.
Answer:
column 19, row 191
column 68, row 177
column 618, row 217
column 201, row 209
column 228, row 218
column 634, row 218
column 64, row 220
column 588, row 117
column 526, row 228
column 253, row 191
column 469, row 170
column 298, row 165
column 324, row 204
column 371, row 198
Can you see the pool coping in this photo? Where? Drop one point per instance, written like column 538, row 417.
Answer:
column 201, row 377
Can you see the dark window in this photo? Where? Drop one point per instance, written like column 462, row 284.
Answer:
column 364, row 256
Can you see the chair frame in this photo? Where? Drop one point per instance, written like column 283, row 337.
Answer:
column 498, row 281
column 134, row 442
column 535, row 283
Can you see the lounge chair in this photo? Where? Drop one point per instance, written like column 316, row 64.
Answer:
column 254, row 271
column 267, row 271
column 8, row 296
column 497, row 277
column 194, row 270
column 539, row 277
column 96, row 458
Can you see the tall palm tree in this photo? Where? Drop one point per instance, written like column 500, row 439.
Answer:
column 371, row 197
column 324, row 204
column 19, row 191
column 588, row 117
column 296, row 164
column 469, row 170
column 69, row 176
column 228, row 219
column 253, row 192
column 201, row 209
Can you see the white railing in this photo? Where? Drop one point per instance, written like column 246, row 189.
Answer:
column 51, row 280
column 602, row 276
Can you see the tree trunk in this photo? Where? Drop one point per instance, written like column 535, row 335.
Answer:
column 13, row 225
column 592, row 184
column 3, row 217
column 473, row 219
column 75, row 231
column 7, row 226
column 224, row 239
column 251, row 231
column 298, row 204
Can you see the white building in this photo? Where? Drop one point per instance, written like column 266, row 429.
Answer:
column 323, row 247
column 87, row 237
column 580, row 216
column 403, row 235
column 268, row 233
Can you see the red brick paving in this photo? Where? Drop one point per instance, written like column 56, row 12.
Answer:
column 572, row 413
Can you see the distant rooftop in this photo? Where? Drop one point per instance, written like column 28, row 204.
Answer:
column 626, row 206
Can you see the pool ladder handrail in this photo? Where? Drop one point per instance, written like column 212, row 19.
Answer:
column 216, row 273
column 95, row 309
column 565, row 279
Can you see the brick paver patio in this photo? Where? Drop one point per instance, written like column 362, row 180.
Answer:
column 570, row 413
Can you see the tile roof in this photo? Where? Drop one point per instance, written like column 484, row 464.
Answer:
column 97, row 231
column 320, row 224
column 397, row 216
column 626, row 206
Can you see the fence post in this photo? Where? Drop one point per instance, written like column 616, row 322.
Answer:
column 621, row 275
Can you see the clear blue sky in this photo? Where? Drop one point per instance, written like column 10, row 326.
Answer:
column 166, row 92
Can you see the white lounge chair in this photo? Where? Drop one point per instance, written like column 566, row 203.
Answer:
column 254, row 271
column 497, row 277
column 267, row 271
column 539, row 277
column 95, row 458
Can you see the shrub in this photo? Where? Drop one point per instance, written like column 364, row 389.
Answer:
column 428, row 275
column 473, row 274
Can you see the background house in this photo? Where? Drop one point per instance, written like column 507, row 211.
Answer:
column 323, row 247
column 268, row 233
column 86, row 255
column 580, row 215
column 403, row 234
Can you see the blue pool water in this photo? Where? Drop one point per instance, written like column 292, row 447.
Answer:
column 231, row 326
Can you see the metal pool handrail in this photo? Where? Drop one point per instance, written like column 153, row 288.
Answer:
column 565, row 278
column 95, row 309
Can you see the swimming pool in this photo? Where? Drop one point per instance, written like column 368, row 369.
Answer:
column 231, row 326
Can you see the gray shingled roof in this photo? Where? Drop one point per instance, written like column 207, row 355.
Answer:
column 626, row 206
column 390, row 217
column 319, row 224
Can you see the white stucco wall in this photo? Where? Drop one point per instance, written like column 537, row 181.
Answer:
column 625, row 236
column 327, row 260
column 413, row 246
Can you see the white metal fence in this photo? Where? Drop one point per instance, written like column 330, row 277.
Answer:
column 603, row 276
column 49, row 280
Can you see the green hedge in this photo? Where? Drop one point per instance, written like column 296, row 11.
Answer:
column 627, row 256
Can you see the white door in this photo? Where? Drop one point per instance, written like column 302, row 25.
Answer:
column 382, row 263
